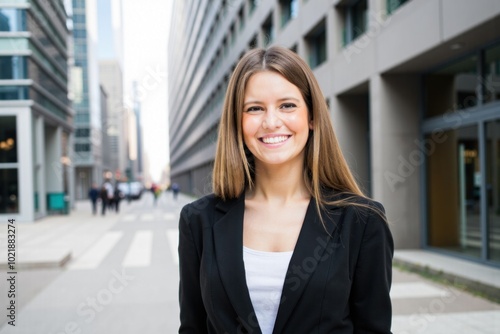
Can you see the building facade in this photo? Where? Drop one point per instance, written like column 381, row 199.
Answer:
column 36, row 119
column 113, row 124
column 413, row 87
column 87, row 159
column 110, row 54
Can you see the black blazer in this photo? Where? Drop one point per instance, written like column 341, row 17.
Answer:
column 337, row 284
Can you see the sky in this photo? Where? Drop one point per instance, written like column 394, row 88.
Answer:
column 146, row 25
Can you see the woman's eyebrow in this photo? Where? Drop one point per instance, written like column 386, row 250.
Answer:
column 279, row 100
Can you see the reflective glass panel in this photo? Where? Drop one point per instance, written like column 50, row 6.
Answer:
column 9, row 192
column 453, row 190
column 491, row 89
column 12, row 19
column 452, row 87
column 493, row 187
column 8, row 139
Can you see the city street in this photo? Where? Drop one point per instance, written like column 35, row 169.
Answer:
column 126, row 282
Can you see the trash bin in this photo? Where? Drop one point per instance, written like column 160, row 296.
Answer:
column 57, row 203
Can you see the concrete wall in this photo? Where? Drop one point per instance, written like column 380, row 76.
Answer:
column 350, row 116
column 52, row 161
column 395, row 157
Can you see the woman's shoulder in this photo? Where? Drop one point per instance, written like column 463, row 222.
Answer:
column 201, row 204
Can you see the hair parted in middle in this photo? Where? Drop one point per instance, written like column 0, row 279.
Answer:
column 324, row 164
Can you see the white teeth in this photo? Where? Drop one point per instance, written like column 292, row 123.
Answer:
column 274, row 140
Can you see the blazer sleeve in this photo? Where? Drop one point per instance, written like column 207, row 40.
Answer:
column 371, row 308
column 192, row 312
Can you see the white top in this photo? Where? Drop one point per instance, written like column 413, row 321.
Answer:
column 265, row 274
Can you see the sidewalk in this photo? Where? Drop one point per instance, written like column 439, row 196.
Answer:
column 53, row 240
column 474, row 276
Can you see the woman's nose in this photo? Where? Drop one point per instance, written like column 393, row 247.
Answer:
column 271, row 120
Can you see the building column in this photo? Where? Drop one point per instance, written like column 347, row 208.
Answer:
column 39, row 165
column 350, row 121
column 53, row 154
column 71, row 170
column 25, row 170
column 396, row 155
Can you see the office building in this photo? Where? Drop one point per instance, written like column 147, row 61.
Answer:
column 36, row 119
column 413, row 88
column 87, row 159
column 110, row 54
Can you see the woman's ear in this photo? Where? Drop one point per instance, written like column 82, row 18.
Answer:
column 311, row 125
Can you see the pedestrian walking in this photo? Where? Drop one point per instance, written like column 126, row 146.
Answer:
column 104, row 199
column 110, row 194
column 94, row 196
column 156, row 191
column 175, row 190
column 117, row 197
column 287, row 243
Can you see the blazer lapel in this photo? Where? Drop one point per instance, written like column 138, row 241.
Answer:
column 228, row 238
column 309, row 250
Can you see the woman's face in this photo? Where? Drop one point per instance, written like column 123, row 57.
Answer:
column 275, row 119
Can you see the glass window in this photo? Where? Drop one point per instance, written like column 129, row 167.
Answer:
column 14, row 93
column 241, row 18
column 83, row 132
column 268, row 30
column 316, row 42
column 13, row 67
column 232, row 34
column 356, row 21
column 492, row 75
column 359, row 14
column 82, row 147
column 289, row 10
column 12, row 19
column 493, row 187
column 453, row 189
column 8, row 139
column 253, row 43
column 252, row 4
column 9, row 192
column 392, row 5
column 452, row 87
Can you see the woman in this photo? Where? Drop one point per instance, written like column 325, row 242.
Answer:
column 287, row 243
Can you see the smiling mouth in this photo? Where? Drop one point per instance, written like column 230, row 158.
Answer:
column 274, row 140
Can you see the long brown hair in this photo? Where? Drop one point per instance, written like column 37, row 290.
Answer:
column 324, row 164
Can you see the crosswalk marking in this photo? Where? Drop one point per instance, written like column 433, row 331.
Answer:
column 416, row 290
column 147, row 217
column 139, row 253
column 173, row 243
column 93, row 257
column 169, row 216
column 129, row 217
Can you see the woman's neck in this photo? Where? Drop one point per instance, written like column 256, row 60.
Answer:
column 279, row 183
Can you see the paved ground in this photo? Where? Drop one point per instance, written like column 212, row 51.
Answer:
column 118, row 274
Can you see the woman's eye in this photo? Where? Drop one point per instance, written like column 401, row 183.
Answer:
column 254, row 108
column 288, row 106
